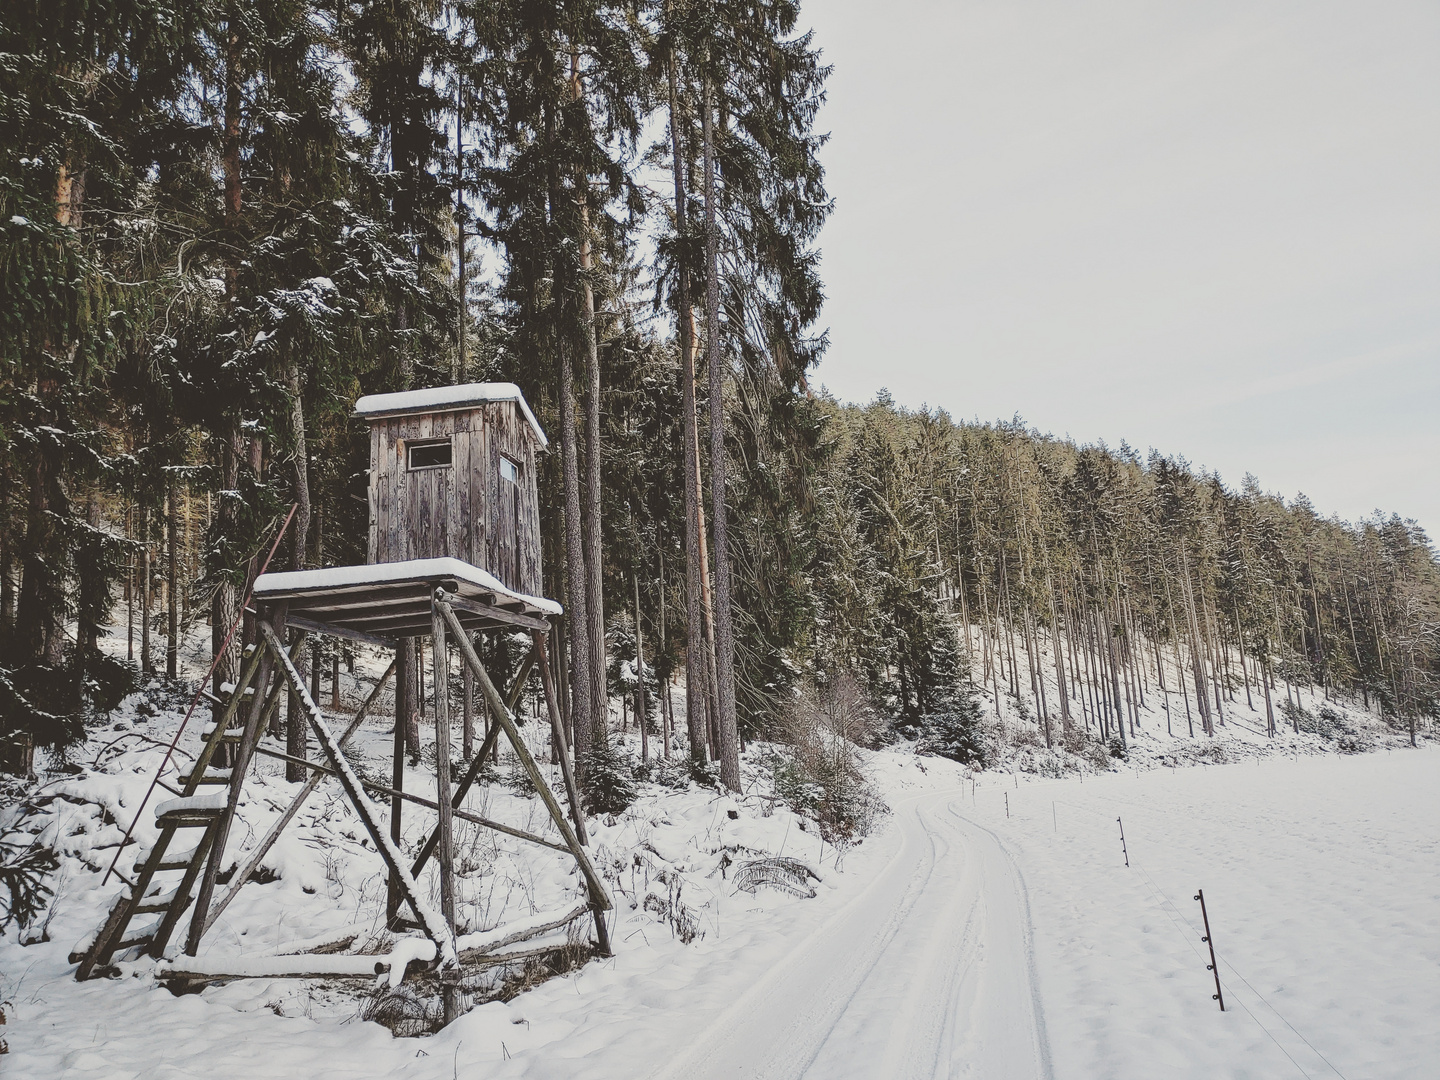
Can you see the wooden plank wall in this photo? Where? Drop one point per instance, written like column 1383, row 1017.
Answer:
column 460, row 511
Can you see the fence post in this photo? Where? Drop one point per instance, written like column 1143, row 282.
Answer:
column 1219, row 996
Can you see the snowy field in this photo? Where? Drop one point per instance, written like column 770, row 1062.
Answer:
column 1322, row 879
column 989, row 928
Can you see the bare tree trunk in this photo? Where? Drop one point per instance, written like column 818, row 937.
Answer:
column 577, row 619
column 457, row 371
column 146, row 666
column 7, row 553
column 594, row 551
column 295, row 734
column 172, row 523
column 724, row 625
column 640, row 679
column 695, row 652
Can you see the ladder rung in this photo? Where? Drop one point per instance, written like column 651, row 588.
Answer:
column 210, row 776
column 180, row 861
column 189, row 819
column 159, row 902
column 228, row 735
column 142, row 936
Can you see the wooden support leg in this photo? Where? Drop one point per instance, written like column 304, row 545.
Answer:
column 557, row 732
column 237, row 780
column 404, row 680
column 449, row 987
column 467, row 707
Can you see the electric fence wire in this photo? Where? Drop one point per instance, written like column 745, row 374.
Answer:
column 1183, row 925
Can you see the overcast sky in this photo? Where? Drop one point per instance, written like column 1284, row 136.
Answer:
column 1212, row 228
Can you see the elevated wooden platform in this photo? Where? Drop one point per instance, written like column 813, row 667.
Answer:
column 382, row 602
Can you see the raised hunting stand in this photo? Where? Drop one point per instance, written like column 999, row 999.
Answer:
column 454, row 550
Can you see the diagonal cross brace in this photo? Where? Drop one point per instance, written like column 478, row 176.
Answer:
column 242, row 875
column 436, row 929
column 599, row 898
column 476, row 763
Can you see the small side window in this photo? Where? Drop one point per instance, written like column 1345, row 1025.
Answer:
column 509, row 471
column 428, row 454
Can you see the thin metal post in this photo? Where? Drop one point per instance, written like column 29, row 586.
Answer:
column 1214, row 967
column 1124, row 850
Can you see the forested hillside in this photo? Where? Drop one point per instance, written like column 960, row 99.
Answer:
column 220, row 223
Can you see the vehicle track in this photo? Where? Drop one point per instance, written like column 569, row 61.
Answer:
column 926, row 972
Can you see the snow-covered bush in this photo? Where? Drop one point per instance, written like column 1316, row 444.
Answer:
column 607, row 782
column 955, row 730
column 22, row 873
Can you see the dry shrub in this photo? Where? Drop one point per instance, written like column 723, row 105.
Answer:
column 820, row 773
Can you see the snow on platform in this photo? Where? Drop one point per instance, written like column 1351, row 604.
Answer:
column 394, row 598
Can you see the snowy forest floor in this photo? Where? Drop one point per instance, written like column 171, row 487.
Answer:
column 988, row 927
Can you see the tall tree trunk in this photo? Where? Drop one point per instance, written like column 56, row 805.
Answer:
column 172, row 574
column 7, row 555
column 577, row 618
column 724, row 625
column 457, row 371
column 1197, row 651
column 594, row 551
column 696, row 666
column 225, row 603
column 640, row 679
column 295, row 733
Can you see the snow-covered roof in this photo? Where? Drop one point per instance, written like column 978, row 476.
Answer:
column 447, row 399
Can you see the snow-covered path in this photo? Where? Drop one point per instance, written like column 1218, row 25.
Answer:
column 926, row 972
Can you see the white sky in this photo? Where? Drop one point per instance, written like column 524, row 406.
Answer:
column 1208, row 227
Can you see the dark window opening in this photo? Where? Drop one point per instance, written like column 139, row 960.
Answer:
column 432, row 454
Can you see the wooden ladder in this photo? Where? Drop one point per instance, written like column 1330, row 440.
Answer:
column 192, row 811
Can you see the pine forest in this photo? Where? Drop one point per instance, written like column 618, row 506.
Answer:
column 223, row 222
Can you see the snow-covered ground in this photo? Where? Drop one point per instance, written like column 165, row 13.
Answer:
column 1321, row 875
column 988, row 928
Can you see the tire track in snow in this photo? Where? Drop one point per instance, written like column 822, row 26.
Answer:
column 926, row 972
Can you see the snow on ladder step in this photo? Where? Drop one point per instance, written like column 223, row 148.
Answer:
column 157, row 903
column 141, row 936
column 181, row 860
column 192, row 810
column 229, row 735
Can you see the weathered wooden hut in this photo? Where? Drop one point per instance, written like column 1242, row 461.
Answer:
column 452, row 475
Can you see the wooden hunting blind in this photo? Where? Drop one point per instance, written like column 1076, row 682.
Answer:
column 452, row 474
column 454, row 551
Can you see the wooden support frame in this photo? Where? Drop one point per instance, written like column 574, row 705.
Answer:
column 449, row 981
column 440, row 932
column 243, row 872
column 599, row 898
column 271, row 672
